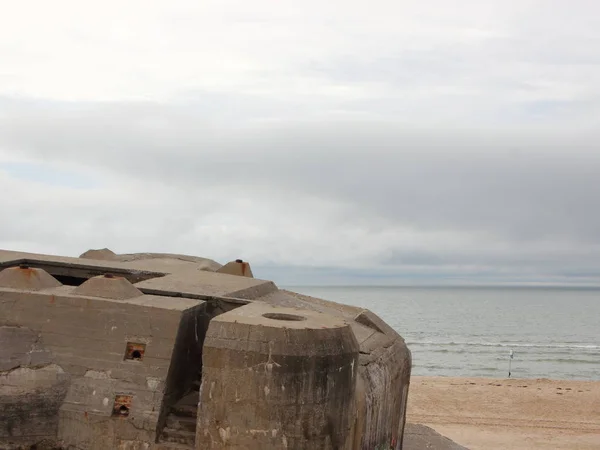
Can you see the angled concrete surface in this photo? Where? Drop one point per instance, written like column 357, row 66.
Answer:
column 108, row 286
column 421, row 437
column 27, row 279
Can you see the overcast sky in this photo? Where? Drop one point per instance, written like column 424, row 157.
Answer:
column 326, row 142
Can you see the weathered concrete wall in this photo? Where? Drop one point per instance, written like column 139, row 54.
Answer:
column 108, row 374
column 21, row 347
column 384, row 371
column 86, row 339
column 272, row 381
column 31, row 390
column 87, row 420
column 385, row 382
column 186, row 363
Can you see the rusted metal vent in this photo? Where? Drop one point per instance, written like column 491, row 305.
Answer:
column 135, row 351
column 122, row 405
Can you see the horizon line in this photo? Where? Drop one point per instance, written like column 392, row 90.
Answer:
column 449, row 286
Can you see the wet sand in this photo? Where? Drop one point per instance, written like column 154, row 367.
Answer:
column 488, row 414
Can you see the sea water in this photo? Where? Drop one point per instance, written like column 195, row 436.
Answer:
column 552, row 332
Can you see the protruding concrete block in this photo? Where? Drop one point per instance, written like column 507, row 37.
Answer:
column 108, row 286
column 368, row 319
column 103, row 254
column 27, row 278
column 277, row 378
column 237, row 267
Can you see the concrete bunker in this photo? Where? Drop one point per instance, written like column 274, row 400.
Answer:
column 169, row 355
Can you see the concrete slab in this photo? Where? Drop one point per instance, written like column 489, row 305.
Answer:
column 290, row 299
column 209, row 283
column 7, row 256
column 162, row 259
column 180, row 274
column 258, row 313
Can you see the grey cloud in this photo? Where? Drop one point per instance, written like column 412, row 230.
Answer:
column 517, row 186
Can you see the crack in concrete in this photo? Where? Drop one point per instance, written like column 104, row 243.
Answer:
column 34, row 367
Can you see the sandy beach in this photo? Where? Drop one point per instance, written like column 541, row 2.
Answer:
column 487, row 414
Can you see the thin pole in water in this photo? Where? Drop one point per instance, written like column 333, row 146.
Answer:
column 510, row 358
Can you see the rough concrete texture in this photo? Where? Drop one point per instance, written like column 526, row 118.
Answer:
column 30, row 399
column 383, row 373
column 277, row 378
column 86, row 339
column 99, row 254
column 26, row 278
column 420, row 437
column 118, row 362
column 21, row 347
column 31, row 389
column 108, row 286
column 161, row 258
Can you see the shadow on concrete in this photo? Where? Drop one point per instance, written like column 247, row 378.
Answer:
column 420, row 437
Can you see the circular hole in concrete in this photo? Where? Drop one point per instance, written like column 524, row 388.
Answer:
column 123, row 410
column 282, row 316
column 136, row 354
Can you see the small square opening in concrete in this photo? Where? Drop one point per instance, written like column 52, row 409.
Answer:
column 135, row 351
column 122, row 405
